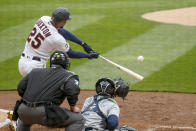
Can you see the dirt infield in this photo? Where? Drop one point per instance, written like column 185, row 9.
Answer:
column 145, row 111
column 182, row 16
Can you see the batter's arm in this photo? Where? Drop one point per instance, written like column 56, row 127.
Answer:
column 76, row 54
column 69, row 36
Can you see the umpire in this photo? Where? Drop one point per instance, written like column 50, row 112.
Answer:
column 42, row 92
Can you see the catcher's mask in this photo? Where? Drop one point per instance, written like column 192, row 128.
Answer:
column 105, row 87
column 122, row 88
column 60, row 58
column 60, row 14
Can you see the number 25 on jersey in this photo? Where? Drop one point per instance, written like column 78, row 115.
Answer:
column 35, row 39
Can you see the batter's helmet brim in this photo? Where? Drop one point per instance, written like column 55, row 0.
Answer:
column 70, row 18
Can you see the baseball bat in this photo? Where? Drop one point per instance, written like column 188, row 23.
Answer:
column 129, row 72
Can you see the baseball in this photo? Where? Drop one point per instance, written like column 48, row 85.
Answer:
column 140, row 58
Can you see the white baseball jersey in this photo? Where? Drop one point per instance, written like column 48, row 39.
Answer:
column 42, row 41
column 107, row 107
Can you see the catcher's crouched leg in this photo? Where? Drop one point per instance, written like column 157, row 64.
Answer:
column 22, row 127
column 75, row 121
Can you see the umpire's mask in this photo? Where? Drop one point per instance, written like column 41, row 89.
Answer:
column 60, row 58
column 105, row 87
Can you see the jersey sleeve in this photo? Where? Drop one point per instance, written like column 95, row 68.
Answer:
column 86, row 103
column 62, row 45
column 69, row 36
column 114, row 110
column 110, row 107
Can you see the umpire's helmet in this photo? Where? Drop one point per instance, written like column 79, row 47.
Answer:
column 122, row 88
column 105, row 86
column 60, row 58
column 60, row 14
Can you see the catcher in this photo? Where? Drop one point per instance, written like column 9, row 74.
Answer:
column 43, row 90
column 101, row 111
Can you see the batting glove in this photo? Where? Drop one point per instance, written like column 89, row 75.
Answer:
column 93, row 55
column 87, row 48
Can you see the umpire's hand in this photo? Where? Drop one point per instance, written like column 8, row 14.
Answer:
column 75, row 109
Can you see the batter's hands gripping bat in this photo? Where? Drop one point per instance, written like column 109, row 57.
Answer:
column 129, row 72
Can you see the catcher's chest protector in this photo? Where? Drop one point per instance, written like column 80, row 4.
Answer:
column 94, row 106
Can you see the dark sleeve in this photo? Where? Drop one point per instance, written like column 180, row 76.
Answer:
column 112, row 122
column 69, row 36
column 76, row 54
column 22, row 85
column 72, row 91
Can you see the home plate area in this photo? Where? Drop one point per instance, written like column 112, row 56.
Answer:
column 145, row 111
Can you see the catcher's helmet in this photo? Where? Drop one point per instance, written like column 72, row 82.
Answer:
column 60, row 58
column 105, row 87
column 60, row 14
column 122, row 88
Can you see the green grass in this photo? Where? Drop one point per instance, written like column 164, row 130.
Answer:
column 159, row 46
column 177, row 76
column 112, row 27
column 9, row 74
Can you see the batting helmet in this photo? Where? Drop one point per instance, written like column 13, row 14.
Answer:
column 122, row 88
column 60, row 58
column 60, row 14
column 105, row 86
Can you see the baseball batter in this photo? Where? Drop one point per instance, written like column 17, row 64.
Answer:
column 101, row 112
column 45, row 38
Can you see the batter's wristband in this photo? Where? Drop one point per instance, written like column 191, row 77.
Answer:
column 82, row 43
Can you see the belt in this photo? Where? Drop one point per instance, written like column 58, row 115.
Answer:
column 36, row 104
column 33, row 58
